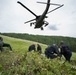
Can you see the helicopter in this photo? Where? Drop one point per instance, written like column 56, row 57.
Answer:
column 40, row 18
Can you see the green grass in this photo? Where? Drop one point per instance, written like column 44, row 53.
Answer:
column 21, row 62
column 20, row 47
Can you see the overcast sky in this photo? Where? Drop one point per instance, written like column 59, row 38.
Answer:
column 62, row 22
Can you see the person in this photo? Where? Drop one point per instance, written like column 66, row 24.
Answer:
column 1, row 44
column 5, row 44
column 65, row 51
column 50, row 51
column 39, row 48
column 32, row 47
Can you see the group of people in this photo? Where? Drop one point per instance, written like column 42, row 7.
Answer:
column 52, row 51
column 33, row 47
column 2, row 44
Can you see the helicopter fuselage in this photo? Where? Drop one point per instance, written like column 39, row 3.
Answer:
column 40, row 20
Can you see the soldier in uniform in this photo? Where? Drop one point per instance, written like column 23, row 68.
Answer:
column 65, row 51
column 50, row 51
column 32, row 47
column 39, row 49
column 5, row 44
column 1, row 44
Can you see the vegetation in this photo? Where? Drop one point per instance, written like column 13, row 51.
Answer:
column 48, row 40
column 21, row 62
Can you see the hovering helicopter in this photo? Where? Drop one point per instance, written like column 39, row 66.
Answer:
column 40, row 18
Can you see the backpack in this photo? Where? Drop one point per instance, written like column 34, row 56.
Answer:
column 67, row 49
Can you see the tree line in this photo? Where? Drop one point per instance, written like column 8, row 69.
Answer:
column 48, row 40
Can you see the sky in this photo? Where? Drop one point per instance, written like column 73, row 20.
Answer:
column 62, row 22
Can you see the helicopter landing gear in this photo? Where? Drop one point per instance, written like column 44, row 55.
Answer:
column 46, row 23
column 42, row 28
column 30, row 24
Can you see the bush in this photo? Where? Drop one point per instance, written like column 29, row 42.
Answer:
column 34, row 63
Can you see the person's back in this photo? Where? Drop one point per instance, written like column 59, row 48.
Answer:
column 49, row 51
column 32, row 47
column 66, row 51
column 39, row 48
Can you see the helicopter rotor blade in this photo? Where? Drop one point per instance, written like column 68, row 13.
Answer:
column 29, row 21
column 50, row 3
column 55, row 4
column 26, row 8
column 55, row 9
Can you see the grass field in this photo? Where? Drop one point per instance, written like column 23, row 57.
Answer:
column 21, row 62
